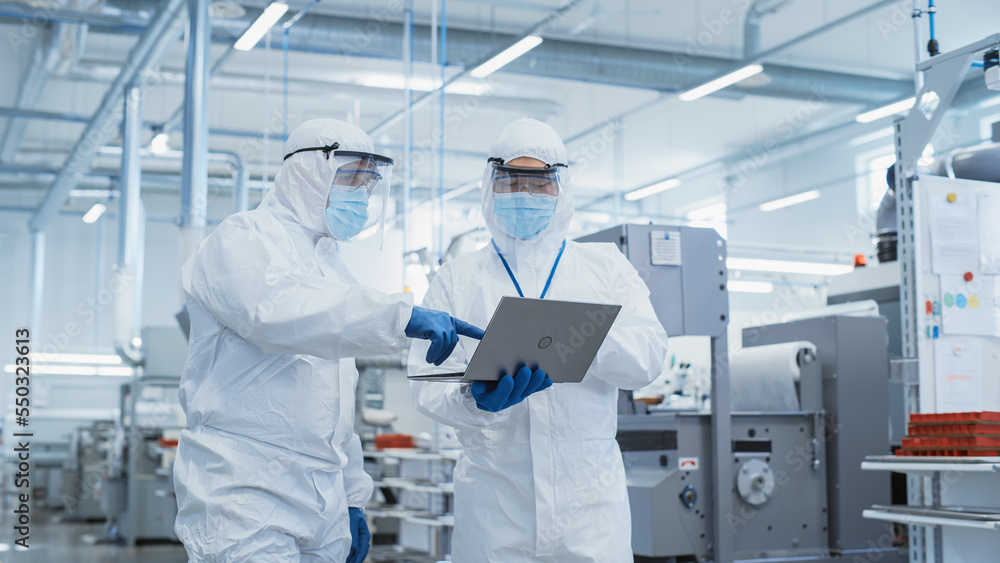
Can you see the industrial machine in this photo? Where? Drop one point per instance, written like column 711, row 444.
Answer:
column 779, row 476
column 138, row 494
column 89, row 459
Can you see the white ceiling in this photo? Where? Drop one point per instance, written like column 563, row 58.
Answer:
column 667, row 138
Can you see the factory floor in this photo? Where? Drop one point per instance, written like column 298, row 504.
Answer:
column 52, row 540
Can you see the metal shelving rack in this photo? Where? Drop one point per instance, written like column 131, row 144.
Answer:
column 436, row 516
column 933, row 482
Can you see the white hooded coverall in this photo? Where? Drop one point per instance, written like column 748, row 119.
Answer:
column 269, row 463
column 544, row 479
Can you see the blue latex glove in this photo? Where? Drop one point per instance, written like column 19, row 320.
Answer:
column 361, row 539
column 509, row 391
column 441, row 329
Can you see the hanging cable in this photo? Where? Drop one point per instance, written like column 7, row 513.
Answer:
column 284, row 120
column 444, row 61
column 932, row 44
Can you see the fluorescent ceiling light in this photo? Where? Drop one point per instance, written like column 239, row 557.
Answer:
column 885, row 111
column 788, row 267
column 743, row 286
column 707, row 212
column 790, row 200
column 107, row 359
column 74, row 370
column 721, row 82
column 636, row 195
column 873, row 136
column 159, row 144
column 263, row 24
column 94, row 213
column 594, row 216
column 506, row 56
column 420, row 83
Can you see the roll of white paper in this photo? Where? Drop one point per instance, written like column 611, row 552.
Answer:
column 762, row 378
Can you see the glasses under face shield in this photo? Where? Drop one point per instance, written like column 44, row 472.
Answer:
column 358, row 197
column 368, row 171
column 516, row 179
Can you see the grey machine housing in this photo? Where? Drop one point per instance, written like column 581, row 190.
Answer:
column 793, row 485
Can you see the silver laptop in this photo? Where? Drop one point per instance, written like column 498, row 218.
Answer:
column 559, row 337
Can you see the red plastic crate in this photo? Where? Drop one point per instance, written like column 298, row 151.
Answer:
column 981, row 416
column 392, row 441
column 951, row 442
column 948, row 453
column 958, row 429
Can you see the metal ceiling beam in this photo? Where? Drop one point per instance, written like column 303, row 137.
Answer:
column 41, row 65
column 157, row 37
column 194, row 171
column 751, row 24
column 553, row 17
column 667, row 71
column 125, row 21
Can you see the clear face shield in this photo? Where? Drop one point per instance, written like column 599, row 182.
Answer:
column 356, row 204
column 524, row 198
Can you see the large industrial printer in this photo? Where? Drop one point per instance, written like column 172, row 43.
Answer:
column 773, row 471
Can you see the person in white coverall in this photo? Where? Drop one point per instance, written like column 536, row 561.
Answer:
column 542, row 480
column 269, row 469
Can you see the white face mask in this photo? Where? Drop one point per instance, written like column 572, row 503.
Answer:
column 524, row 215
column 346, row 212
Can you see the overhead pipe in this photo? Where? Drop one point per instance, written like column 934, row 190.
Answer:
column 751, row 24
column 667, row 71
column 157, row 38
column 329, row 90
column 972, row 97
column 37, row 281
column 44, row 61
column 212, row 132
column 407, row 113
column 240, row 171
column 194, row 190
column 444, row 64
column 284, row 63
column 125, row 21
column 173, row 121
column 128, row 305
column 425, row 98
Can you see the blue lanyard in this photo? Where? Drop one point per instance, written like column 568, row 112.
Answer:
column 517, row 286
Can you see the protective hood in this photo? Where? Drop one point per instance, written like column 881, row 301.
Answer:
column 302, row 186
column 529, row 138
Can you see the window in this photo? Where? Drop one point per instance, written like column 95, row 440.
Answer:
column 986, row 126
column 871, row 184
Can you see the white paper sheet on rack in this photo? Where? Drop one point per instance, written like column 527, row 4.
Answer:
column 989, row 232
column 958, row 364
column 954, row 237
column 970, row 307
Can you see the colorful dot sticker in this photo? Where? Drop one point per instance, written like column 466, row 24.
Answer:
column 949, row 300
column 937, row 308
column 973, row 301
column 960, row 301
